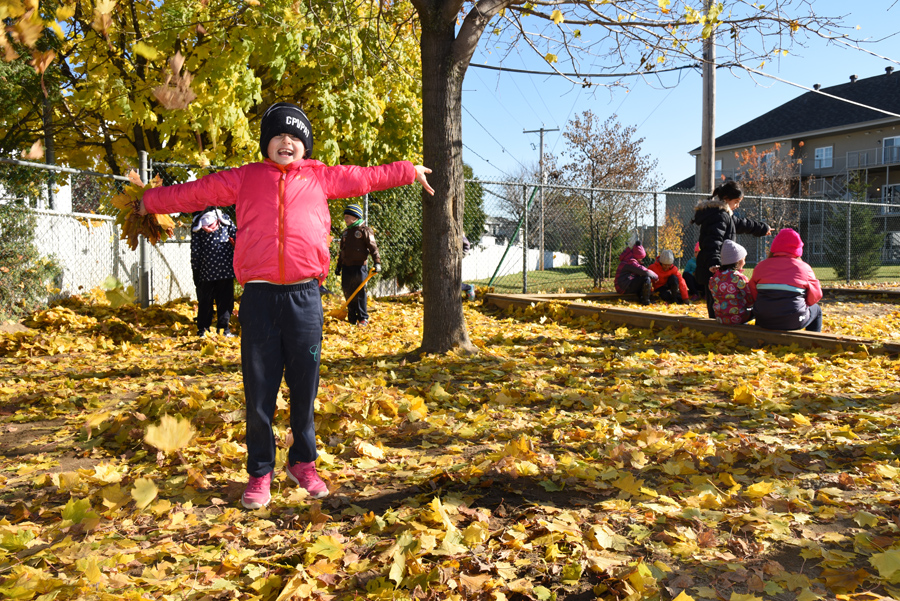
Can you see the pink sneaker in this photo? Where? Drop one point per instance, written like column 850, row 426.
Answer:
column 257, row 494
column 305, row 475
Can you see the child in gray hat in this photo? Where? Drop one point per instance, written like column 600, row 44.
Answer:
column 730, row 288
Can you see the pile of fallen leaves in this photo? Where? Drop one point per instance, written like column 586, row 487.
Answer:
column 133, row 225
column 570, row 459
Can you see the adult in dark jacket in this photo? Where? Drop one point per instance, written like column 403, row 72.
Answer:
column 212, row 264
column 715, row 216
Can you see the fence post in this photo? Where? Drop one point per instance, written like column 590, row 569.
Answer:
column 655, row 225
column 849, row 230
column 525, row 241
column 143, row 266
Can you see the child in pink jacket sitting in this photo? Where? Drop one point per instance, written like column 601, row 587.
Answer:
column 281, row 256
column 785, row 288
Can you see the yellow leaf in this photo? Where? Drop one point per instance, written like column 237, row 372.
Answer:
column 367, row 449
column 438, row 393
column 738, row 597
column 682, row 596
column 760, row 489
column 146, row 50
column 887, row 563
column 800, row 420
column 475, row 534
column 557, row 17
column 864, row 518
column 89, row 568
column 807, row 595
column 170, row 435
column 144, row 492
column 550, row 58
column 629, row 485
column 327, row 546
column 104, row 7
column 743, row 394
column 296, row 585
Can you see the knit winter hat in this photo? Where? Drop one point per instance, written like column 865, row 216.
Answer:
column 788, row 241
column 285, row 118
column 732, row 252
column 354, row 210
column 638, row 251
column 667, row 257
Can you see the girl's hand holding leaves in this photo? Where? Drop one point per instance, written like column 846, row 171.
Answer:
column 134, row 221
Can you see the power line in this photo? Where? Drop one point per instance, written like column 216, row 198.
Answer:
column 630, row 74
column 499, row 101
column 493, row 138
column 487, row 161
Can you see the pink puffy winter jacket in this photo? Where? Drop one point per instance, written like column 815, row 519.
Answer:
column 282, row 211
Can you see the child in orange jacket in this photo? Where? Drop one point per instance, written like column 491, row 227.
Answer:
column 670, row 285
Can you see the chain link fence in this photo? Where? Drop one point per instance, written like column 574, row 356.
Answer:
column 572, row 236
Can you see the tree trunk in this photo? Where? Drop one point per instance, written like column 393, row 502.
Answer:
column 444, row 326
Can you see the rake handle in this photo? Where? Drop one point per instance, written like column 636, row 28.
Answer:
column 358, row 288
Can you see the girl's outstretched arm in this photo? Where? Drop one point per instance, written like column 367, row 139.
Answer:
column 420, row 177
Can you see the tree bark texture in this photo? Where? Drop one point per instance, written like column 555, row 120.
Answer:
column 444, row 326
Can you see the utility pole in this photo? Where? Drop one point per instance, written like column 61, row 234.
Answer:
column 707, row 174
column 541, row 251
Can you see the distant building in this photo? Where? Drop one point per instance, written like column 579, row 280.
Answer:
column 840, row 140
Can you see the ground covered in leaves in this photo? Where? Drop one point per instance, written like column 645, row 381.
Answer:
column 569, row 459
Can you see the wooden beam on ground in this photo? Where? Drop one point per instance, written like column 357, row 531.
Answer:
column 750, row 335
column 891, row 294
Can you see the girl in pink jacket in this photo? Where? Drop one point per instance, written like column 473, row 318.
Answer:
column 280, row 257
column 785, row 288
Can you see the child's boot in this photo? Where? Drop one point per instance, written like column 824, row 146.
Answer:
column 646, row 290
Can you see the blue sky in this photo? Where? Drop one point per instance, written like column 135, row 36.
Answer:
column 498, row 107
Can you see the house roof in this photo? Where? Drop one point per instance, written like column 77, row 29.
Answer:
column 685, row 184
column 815, row 112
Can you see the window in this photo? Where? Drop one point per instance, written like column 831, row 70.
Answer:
column 718, row 169
column 824, row 157
column 766, row 161
column 890, row 195
column 891, row 150
column 814, row 239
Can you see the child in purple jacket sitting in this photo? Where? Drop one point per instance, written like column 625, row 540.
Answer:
column 632, row 277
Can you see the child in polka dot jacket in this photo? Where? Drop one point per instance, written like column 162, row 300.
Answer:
column 729, row 287
column 212, row 255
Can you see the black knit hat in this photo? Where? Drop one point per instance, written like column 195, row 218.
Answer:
column 285, row 118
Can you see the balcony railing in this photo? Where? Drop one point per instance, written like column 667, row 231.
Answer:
column 857, row 159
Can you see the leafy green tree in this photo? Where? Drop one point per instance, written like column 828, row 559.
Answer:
column 474, row 216
column 853, row 240
column 188, row 81
column 24, row 274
